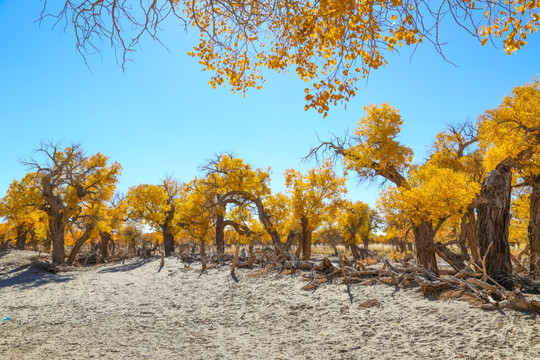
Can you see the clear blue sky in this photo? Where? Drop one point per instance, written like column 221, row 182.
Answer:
column 160, row 117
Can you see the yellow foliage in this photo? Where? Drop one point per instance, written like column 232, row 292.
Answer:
column 513, row 127
column 334, row 44
column 377, row 151
column 435, row 194
column 314, row 196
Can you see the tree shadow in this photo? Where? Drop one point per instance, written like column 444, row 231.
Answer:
column 28, row 276
column 122, row 267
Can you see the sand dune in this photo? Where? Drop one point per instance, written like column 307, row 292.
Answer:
column 132, row 311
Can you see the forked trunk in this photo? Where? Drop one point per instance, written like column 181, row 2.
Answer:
column 354, row 251
column 423, row 241
column 534, row 227
column 55, row 212
column 365, row 240
column 493, row 224
column 79, row 243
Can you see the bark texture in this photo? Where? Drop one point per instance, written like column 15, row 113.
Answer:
column 534, row 227
column 306, row 244
column 423, row 241
column 79, row 243
column 55, row 211
column 106, row 238
column 493, row 224
column 220, row 234
column 21, row 237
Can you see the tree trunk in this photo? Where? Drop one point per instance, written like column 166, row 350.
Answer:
column 534, row 227
column 299, row 249
column 104, row 245
column 79, row 243
column 56, row 227
column 354, row 251
column 33, row 239
column 493, row 224
column 21, row 237
column 203, row 250
column 306, row 244
column 265, row 219
column 168, row 237
column 133, row 245
column 54, row 208
column 365, row 240
column 423, row 241
column 471, row 235
column 220, row 234
column 113, row 247
column 168, row 240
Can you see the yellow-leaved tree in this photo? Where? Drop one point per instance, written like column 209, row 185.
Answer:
column 424, row 197
column 155, row 206
column 314, row 196
column 21, row 208
column 328, row 44
column 357, row 222
column 230, row 183
column 68, row 182
column 510, row 135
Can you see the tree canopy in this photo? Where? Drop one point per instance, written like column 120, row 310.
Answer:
column 330, row 45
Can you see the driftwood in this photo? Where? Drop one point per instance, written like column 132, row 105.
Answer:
column 471, row 281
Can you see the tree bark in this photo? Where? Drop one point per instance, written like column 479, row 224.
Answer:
column 21, row 237
column 534, row 227
column 493, row 224
column 471, row 235
column 203, row 250
column 423, row 241
column 104, row 245
column 168, row 240
column 365, row 240
column 306, row 243
column 79, row 243
column 168, row 237
column 265, row 219
column 220, row 234
column 54, row 208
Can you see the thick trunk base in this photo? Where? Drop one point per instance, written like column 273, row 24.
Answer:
column 493, row 224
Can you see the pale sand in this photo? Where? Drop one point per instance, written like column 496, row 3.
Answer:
column 132, row 311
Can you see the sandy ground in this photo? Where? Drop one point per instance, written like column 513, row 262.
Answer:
column 132, row 311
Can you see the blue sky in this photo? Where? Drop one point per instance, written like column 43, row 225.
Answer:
column 160, row 117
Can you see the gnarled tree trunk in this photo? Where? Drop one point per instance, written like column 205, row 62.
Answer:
column 471, row 234
column 534, row 227
column 79, row 243
column 365, row 241
column 493, row 224
column 423, row 241
column 220, row 234
column 21, row 237
column 54, row 208
column 104, row 245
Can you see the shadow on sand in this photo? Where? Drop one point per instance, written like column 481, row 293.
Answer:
column 29, row 276
column 130, row 265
